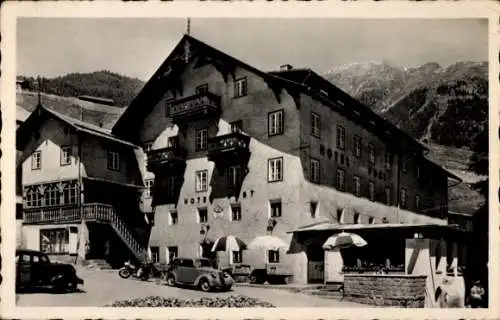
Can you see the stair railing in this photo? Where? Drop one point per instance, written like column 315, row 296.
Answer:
column 106, row 213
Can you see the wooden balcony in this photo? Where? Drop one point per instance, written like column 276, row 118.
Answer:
column 229, row 148
column 167, row 158
column 63, row 214
column 196, row 107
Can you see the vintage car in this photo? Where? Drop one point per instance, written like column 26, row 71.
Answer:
column 198, row 273
column 34, row 269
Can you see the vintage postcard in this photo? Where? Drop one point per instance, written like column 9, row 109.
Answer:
column 281, row 160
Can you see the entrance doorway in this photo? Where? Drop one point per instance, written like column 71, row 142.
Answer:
column 315, row 264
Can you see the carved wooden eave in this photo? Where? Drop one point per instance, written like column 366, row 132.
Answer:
column 275, row 87
column 295, row 94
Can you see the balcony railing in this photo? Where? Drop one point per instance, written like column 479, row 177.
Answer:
column 169, row 155
column 194, row 107
column 229, row 145
column 99, row 212
column 89, row 211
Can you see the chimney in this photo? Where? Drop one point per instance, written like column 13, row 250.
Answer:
column 286, row 67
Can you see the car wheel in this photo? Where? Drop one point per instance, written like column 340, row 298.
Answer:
column 170, row 280
column 72, row 286
column 204, row 285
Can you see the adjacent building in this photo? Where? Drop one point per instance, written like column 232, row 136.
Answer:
column 81, row 188
column 233, row 150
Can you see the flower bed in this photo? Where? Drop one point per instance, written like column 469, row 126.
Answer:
column 237, row 301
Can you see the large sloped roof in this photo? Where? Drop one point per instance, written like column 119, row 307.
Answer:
column 303, row 80
column 26, row 128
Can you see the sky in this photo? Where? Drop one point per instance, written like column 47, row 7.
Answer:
column 136, row 47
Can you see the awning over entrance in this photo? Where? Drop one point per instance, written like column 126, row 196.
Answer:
column 422, row 230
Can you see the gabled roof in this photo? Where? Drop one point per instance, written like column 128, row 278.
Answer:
column 25, row 129
column 303, row 80
column 154, row 89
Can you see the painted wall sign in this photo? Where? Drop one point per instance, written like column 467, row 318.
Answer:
column 218, row 212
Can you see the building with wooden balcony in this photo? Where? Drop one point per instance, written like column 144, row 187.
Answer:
column 80, row 188
column 281, row 149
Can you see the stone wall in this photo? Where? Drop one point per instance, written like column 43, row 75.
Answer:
column 386, row 290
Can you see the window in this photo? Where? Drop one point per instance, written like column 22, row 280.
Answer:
column 240, row 87
column 202, row 215
column 155, row 254
column 418, row 172
column 315, row 125
column 315, row 170
column 33, row 197
column 357, row 146
column 173, row 142
column 173, row 218
column 356, row 185
column 403, row 200
column 52, row 196
column 371, row 153
column 356, row 218
column 113, row 161
column 417, row 201
column 70, row 194
column 36, row 160
column 172, row 253
column 237, row 257
column 340, row 215
column 388, row 160
column 201, row 181
column 170, row 185
column 202, row 89
column 66, row 153
column 275, row 209
column 388, row 196
column 236, row 126
column 233, row 176
column 275, row 123
column 340, row 137
column 54, row 240
column 371, row 190
column 370, row 220
column 148, row 187
column 201, row 139
column 340, row 182
column 313, row 207
column 403, row 165
column 235, row 213
column 148, row 146
column 275, row 170
column 273, row 256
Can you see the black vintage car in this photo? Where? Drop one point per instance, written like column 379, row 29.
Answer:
column 34, row 269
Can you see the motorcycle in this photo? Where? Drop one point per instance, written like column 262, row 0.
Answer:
column 143, row 272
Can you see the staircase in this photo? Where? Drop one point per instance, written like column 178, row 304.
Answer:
column 99, row 212
column 106, row 213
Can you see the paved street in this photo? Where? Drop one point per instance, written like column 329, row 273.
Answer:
column 103, row 287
